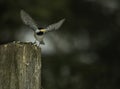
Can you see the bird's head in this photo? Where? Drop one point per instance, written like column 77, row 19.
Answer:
column 42, row 30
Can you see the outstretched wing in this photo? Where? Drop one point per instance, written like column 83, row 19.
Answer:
column 28, row 20
column 55, row 26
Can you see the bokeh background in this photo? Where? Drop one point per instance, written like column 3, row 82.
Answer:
column 84, row 53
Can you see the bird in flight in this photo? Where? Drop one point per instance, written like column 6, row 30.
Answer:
column 39, row 32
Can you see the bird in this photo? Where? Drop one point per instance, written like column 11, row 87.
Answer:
column 39, row 32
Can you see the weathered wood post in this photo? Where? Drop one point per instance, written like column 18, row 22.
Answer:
column 20, row 66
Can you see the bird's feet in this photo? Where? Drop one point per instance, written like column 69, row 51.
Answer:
column 35, row 42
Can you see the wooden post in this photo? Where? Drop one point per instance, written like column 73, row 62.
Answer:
column 20, row 66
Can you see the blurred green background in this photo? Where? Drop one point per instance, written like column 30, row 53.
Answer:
column 84, row 53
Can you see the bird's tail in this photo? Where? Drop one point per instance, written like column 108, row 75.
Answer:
column 42, row 42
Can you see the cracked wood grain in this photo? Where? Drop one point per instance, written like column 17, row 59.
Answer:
column 20, row 66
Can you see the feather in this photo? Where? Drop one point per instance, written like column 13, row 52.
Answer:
column 28, row 20
column 55, row 26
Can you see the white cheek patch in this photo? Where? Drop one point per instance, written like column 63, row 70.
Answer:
column 37, row 30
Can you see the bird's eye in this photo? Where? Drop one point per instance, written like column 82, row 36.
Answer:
column 40, row 33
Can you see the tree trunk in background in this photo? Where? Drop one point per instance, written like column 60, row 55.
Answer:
column 20, row 66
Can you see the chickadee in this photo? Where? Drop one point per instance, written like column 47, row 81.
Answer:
column 39, row 32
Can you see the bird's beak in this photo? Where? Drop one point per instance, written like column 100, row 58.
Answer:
column 43, row 30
